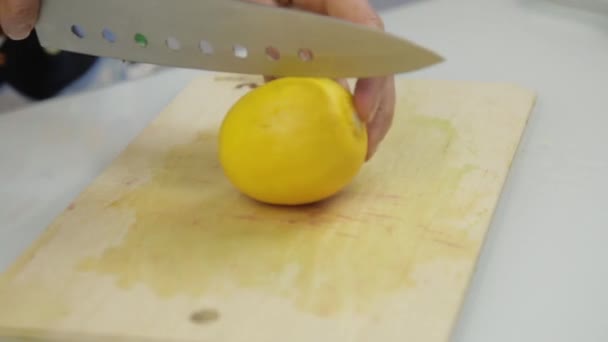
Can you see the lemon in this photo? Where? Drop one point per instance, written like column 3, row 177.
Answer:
column 292, row 141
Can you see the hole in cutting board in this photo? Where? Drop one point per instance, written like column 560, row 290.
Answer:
column 78, row 31
column 173, row 43
column 240, row 51
column 204, row 316
column 108, row 35
column 273, row 53
column 206, row 47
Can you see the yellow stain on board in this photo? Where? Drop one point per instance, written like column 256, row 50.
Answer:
column 50, row 305
column 194, row 234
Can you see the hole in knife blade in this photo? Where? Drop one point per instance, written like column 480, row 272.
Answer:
column 240, row 51
column 305, row 55
column 141, row 40
column 78, row 31
column 273, row 53
column 108, row 35
column 206, row 47
column 173, row 43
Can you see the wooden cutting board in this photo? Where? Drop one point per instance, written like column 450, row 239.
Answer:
column 162, row 247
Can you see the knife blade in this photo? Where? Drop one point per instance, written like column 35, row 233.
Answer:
column 227, row 36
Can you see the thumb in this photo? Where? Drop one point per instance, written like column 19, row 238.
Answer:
column 18, row 17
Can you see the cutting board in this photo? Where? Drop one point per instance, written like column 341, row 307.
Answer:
column 161, row 247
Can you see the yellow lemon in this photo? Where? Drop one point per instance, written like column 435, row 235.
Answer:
column 293, row 141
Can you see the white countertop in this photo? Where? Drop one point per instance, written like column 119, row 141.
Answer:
column 544, row 268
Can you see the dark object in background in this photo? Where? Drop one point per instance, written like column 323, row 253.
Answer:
column 37, row 74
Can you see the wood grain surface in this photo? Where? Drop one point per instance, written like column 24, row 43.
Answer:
column 161, row 247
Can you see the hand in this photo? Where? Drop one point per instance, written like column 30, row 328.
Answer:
column 18, row 17
column 374, row 97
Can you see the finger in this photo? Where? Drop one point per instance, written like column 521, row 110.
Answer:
column 267, row 78
column 357, row 11
column 383, row 119
column 18, row 17
column 369, row 93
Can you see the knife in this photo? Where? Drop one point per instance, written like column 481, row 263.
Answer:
column 227, row 36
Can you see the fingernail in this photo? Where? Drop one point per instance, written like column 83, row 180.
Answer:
column 370, row 153
column 373, row 149
column 19, row 32
column 369, row 96
column 372, row 113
